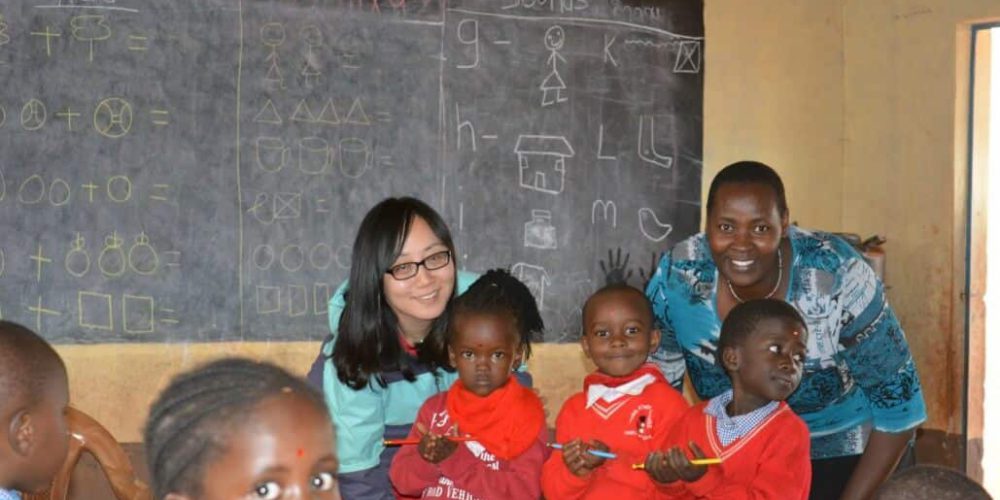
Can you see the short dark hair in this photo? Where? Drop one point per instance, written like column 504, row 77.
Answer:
column 190, row 422
column 619, row 287
column 499, row 292
column 749, row 172
column 27, row 364
column 931, row 482
column 367, row 341
column 743, row 319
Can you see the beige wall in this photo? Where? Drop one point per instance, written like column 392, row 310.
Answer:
column 853, row 101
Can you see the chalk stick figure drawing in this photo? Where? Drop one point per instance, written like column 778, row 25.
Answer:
column 313, row 38
column 553, row 85
column 646, row 143
column 542, row 162
column 651, row 226
column 273, row 35
column 539, row 231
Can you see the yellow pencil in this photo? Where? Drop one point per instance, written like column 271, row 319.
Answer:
column 697, row 461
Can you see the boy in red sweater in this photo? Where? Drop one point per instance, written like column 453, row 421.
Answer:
column 626, row 407
column 490, row 330
column 764, row 447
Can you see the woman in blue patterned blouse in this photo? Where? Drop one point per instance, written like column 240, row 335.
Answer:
column 860, row 394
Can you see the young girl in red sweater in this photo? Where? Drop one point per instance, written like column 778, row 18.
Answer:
column 764, row 447
column 626, row 407
column 485, row 437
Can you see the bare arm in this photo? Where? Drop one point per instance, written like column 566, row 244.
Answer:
column 879, row 459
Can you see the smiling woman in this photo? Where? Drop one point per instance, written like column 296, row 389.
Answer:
column 860, row 394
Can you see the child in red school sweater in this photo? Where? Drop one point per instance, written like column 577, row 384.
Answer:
column 502, row 422
column 764, row 447
column 626, row 408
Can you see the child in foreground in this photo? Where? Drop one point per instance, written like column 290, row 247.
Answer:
column 763, row 445
column 34, row 394
column 502, row 423
column 237, row 428
column 626, row 406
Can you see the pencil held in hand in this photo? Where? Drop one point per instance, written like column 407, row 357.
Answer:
column 403, row 442
column 697, row 461
column 596, row 453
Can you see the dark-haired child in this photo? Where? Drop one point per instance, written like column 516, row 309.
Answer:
column 237, row 428
column 34, row 394
column 626, row 406
column 489, row 336
column 763, row 445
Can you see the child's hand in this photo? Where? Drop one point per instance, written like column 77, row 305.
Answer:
column 617, row 270
column 658, row 468
column 576, row 458
column 682, row 466
column 435, row 447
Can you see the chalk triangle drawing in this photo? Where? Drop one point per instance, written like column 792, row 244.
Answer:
column 357, row 114
column 329, row 114
column 268, row 114
column 303, row 113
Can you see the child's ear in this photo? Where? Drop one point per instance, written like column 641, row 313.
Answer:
column 21, row 433
column 654, row 339
column 730, row 357
column 451, row 357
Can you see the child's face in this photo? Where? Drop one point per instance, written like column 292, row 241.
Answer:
column 484, row 349
column 283, row 449
column 51, row 432
column 768, row 366
column 618, row 332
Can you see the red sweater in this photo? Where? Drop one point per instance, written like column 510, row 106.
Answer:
column 631, row 426
column 772, row 461
column 471, row 472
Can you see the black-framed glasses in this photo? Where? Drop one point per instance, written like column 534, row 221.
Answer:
column 408, row 270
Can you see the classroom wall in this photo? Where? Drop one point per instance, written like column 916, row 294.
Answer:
column 853, row 101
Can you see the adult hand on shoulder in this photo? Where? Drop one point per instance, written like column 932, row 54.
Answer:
column 683, row 467
column 578, row 460
column 434, row 447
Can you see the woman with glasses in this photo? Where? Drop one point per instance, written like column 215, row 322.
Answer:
column 386, row 354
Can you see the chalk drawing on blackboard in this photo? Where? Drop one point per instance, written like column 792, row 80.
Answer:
column 174, row 259
column 272, row 34
column 600, row 145
column 472, row 40
column 94, row 310
column 355, row 157
column 124, row 191
column 608, row 56
column 77, row 260
column 3, row 262
column 263, row 256
column 604, row 210
column 39, row 311
column 321, row 256
column 29, row 183
column 298, row 300
column 688, row 57
column 260, row 206
column 62, row 187
column 321, row 205
column 4, row 36
column 68, row 114
column 268, row 299
column 542, row 162
column 161, row 192
column 313, row 38
column 646, row 143
column 321, row 297
column 553, row 85
column 3, row 185
column 40, row 260
column 302, row 113
column 138, row 43
column 382, row 116
column 328, row 115
column 271, row 153
column 292, row 258
column 268, row 114
column 138, row 313
column 539, row 231
column 33, row 114
column 113, row 117
column 90, row 28
column 142, row 257
column 357, row 115
column 463, row 125
column 315, row 154
column 160, row 117
column 3, row 115
column 535, row 278
column 112, row 260
column 385, row 161
column 651, row 226
column 343, row 256
column 49, row 35
column 287, row 205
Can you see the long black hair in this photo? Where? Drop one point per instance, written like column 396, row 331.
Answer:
column 367, row 341
column 190, row 422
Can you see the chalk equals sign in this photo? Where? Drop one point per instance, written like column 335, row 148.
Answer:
column 385, row 161
column 167, row 321
column 172, row 258
column 137, row 43
column 160, row 117
column 382, row 116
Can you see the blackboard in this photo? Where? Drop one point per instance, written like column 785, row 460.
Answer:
column 194, row 170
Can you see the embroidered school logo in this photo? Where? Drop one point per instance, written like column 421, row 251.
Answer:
column 640, row 423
